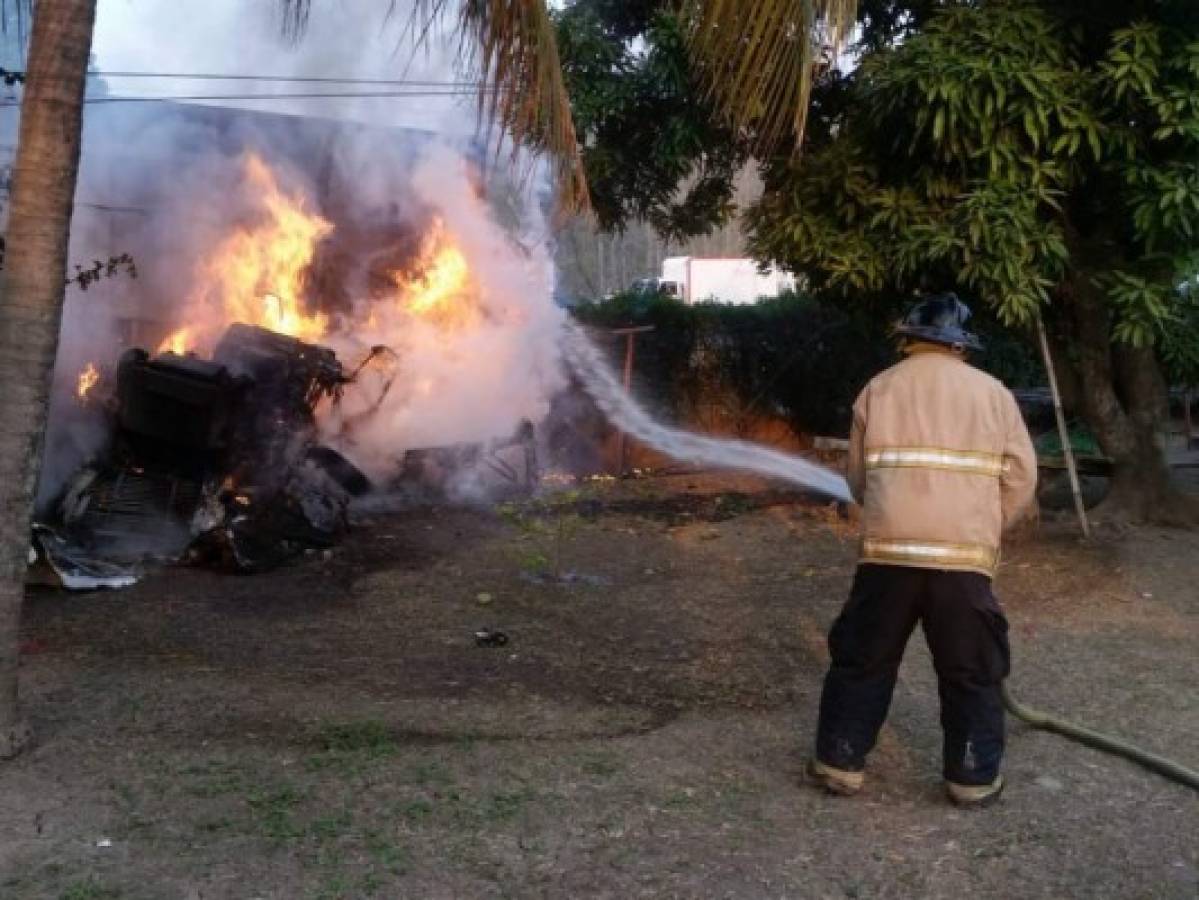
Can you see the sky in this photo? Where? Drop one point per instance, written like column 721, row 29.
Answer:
column 345, row 39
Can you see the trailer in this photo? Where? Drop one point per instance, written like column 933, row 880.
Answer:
column 695, row 279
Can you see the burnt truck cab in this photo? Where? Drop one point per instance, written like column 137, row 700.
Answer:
column 175, row 411
column 217, row 455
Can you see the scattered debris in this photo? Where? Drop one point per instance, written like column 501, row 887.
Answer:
column 502, row 469
column 77, row 571
column 488, row 637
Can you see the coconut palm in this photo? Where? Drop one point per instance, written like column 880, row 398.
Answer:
column 755, row 61
column 31, row 298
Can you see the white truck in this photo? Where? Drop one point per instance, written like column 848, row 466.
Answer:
column 694, row 279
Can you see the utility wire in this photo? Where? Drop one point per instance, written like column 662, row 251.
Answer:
column 302, row 79
column 392, row 95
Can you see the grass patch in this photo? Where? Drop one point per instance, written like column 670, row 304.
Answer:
column 350, row 748
column 683, row 799
column 273, row 813
column 371, row 737
column 600, row 764
column 338, row 886
column 213, row 778
column 415, row 811
column 507, row 805
column 215, row 826
column 330, row 828
column 387, row 854
column 488, row 811
column 91, row 889
column 431, row 774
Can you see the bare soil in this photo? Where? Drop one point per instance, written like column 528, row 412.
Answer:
column 332, row 730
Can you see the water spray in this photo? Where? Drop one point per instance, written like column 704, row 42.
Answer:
column 626, row 414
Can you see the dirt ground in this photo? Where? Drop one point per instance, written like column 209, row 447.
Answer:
column 332, row 730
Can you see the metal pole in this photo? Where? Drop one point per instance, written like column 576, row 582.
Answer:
column 1062, row 430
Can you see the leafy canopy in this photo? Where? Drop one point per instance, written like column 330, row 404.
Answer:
column 653, row 147
column 1005, row 147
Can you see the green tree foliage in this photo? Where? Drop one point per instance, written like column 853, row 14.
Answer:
column 1037, row 156
column 653, row 147
column 974, row 150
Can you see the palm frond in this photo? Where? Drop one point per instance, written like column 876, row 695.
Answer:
column 512, row 45
column 757, row 60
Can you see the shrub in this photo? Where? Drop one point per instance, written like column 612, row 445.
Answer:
column 792, row 357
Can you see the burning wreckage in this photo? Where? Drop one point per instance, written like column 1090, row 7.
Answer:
column 218, row 461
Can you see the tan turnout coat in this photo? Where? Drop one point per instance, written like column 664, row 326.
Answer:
column 942, row 463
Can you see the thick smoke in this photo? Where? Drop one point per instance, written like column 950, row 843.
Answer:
column 465, row 384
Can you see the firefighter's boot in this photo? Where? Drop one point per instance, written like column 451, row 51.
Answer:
column 833, row 780
column 974, row 794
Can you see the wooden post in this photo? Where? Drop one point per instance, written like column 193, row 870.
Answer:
column 1063, row 431
column 630, row 336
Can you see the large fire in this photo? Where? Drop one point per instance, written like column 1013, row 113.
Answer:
column 257, row 276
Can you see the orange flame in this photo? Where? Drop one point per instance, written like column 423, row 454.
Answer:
column 257, row 275
column 176, row 342
column 440, row 288
column 87, row 380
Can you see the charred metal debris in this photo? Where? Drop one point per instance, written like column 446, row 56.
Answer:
column 218, row 461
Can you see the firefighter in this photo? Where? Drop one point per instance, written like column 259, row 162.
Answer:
column 942, row 464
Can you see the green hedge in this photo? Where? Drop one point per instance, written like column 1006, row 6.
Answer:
column 793, row 357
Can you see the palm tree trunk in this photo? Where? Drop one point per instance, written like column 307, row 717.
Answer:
column 31, row 298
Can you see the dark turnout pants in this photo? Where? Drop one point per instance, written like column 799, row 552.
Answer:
column 967, row 634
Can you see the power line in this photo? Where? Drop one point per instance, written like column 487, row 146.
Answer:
column 133, row 98
column 105, row 207
column 179, row 98
column 300, row 79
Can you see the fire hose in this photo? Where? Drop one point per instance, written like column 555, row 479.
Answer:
column 1099, row 741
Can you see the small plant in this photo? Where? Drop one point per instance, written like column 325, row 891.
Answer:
column 431, row 774
column 548, row 524
column 371, row 737
column 328, row 828
column 91, row 889
column 506, row 805
column 600, row 764
column 273, row 811
column 416, row 810
column 214, row 778
column 351, row 747
column 392, row 857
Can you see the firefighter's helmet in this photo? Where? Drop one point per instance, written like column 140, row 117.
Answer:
column 940, row 319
